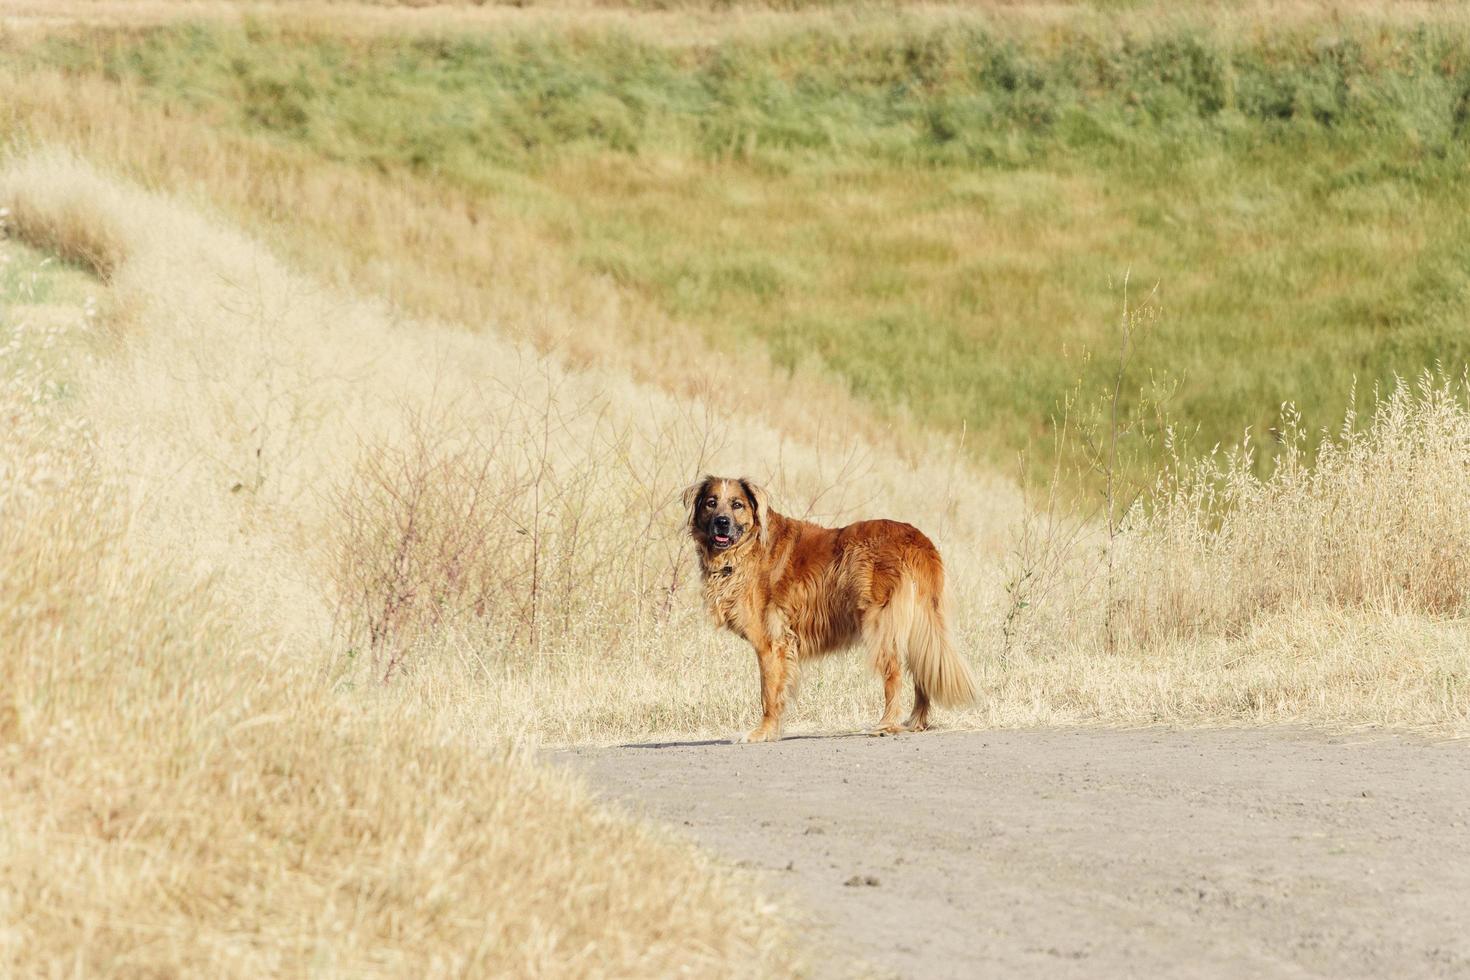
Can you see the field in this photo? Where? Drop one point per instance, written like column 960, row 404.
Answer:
column 904, row 199
column 354, row 359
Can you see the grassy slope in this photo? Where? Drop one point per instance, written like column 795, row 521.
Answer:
column 925, row 209
column 185, row 792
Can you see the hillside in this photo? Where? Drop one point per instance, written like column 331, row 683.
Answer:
column 933, row 200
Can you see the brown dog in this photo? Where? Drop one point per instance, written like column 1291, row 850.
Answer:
column 797, row 590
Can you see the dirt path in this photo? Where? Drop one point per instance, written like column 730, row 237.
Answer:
column 1088, row 853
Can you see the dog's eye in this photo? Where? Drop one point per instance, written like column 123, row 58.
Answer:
column 710, row 502
column 738, row 505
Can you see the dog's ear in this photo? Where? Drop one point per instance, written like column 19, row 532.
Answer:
column 693, row 494
column 761, row 502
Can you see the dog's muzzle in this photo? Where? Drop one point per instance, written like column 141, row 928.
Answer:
column 723, row 532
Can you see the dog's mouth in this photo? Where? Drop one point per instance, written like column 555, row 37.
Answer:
column 722, row 541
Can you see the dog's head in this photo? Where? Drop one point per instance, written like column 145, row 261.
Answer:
column 724, row 511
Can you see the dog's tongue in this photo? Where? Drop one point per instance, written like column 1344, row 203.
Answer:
column 722, row 539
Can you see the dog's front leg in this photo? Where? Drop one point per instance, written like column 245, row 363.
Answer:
column 776, row 664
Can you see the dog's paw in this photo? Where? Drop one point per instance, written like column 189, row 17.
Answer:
column 759, row 735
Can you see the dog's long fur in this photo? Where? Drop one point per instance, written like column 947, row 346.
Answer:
column 796, row 590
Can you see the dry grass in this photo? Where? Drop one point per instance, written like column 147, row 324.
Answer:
column 1377, row 521
column 253, row 406
column 186, row 790
column 259, row 394
column 1330, row 591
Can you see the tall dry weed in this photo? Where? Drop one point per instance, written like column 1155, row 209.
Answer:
column 1221, row 594
column 517, row 528
column 1378, row 520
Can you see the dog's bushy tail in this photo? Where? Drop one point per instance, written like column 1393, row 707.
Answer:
column 916, row 619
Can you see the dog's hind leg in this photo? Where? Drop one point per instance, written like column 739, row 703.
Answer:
column 892, row 682
column 919, row 720
column 884, row 653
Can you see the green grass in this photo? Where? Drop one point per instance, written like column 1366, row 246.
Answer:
column 43, row 300
column 940, row 216
column 29, row 277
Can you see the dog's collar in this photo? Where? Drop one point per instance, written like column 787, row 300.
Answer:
column 725, row 572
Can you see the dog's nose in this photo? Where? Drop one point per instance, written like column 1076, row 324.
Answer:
column 722, row 524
